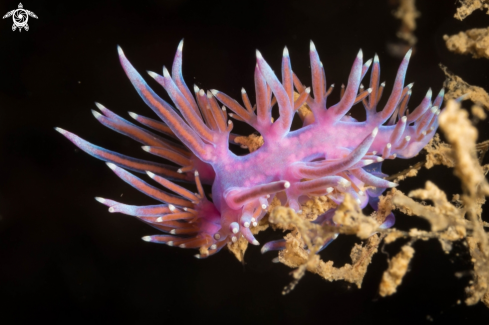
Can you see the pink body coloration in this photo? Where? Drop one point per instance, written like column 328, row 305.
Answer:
column 332, row 154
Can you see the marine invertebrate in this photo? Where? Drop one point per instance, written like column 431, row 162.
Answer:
column 332, row 154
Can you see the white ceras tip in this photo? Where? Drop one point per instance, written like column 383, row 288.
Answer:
column 368, row 63
column 154, row 75
column 308, row 89
column 382, row 84
column 171, row 207
column 332, row 86
column 243, row 91
column 246, row 224
column 96, row 114
column 146, row 148
column 196, row 89
column 181, row 245
column 360, row 54
column 60, row 130
column 197, row 256
column 234, row 239
column 407, row 138
column 217, row 236
column 369, row 90
column 99, row 106
column 100, row 199
column 146, row 238
column 173, row 231
column 119, row 51
column 286, row 52
column 404, row 119
column 160, row 219
column 408, row 54
column 343, row 182
column 180, row 46
column 213, row 246
column 214, row 92
column 170, row 243
column 255, row 242
column 312, row 47
column 375, row 131
column 196, row 173
column 388, row 146
column 434, row 109
column 111, row 166
column 410, row 86
column 258, row 55
column 360, row 192
column 150, row 174
column 166, row 74
column 234, row 227
column 358, row 201
column 329, row 190
column 379, row 159
column 286, row 185
column 255, row 224
column 230, row 122
column 202, row 93
column 263, row 206
column 376, row 58
column 133, row 115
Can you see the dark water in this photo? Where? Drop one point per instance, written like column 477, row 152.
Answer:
column 65, row 260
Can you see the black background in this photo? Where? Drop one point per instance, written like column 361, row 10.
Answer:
column 65, row 259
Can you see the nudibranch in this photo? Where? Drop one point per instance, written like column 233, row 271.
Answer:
column 332, row 154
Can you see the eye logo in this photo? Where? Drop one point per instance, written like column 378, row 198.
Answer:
column 20, row 17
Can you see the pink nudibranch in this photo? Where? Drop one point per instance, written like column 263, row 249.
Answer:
column 332, row 154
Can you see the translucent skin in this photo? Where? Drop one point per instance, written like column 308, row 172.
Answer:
column 330, row 155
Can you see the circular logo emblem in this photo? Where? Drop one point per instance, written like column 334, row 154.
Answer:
column 20, row 17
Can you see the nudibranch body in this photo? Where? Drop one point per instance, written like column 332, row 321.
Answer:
column 332, row 154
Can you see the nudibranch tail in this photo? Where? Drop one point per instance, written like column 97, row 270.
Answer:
column 332, row 155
